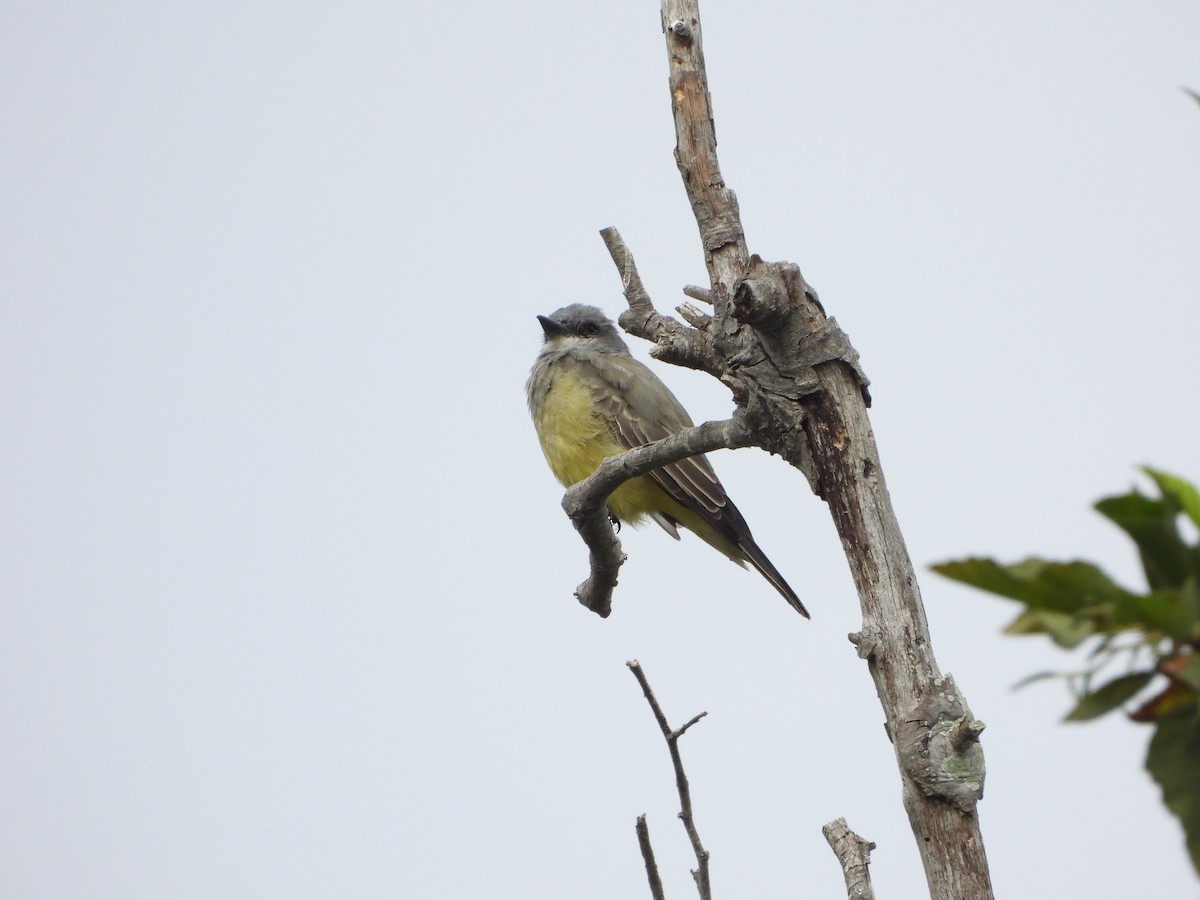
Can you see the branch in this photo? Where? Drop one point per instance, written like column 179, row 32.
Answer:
column 713, row 204
column 854, row 855
column 674, row 342
column 700, row 873
column 585, row 501
column 805, row 399
column 643, row 833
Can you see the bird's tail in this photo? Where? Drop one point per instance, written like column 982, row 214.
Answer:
column 759, row 560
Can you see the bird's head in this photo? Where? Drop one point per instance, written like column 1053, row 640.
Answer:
column 582, row 327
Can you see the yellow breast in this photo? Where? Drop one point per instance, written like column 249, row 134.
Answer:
column 574, row 437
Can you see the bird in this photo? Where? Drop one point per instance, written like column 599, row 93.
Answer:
column 590, row 399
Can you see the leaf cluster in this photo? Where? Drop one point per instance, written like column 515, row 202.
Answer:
column 1156, row 633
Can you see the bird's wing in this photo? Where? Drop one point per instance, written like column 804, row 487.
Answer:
column 642, row 410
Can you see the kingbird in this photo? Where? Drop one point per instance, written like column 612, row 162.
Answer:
column 590, row 400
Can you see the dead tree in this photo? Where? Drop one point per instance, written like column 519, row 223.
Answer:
column 799, row 393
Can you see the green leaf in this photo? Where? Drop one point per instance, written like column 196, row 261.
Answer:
column 1172, row 762
column 1189, row 673
column 1054, row 586
column 1065, row 630
column 1109, row 696
column 1183, row 494
column 1175, row 613
column 1152, row 525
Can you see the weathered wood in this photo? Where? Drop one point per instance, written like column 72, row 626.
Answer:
column 801, row 394
column 805, row 398
column 895, row 635
column 713, row 204
column 854, row 855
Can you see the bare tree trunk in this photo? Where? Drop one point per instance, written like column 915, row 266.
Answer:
column 801, row 394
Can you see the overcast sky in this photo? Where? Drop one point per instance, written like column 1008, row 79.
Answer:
column 285, row 588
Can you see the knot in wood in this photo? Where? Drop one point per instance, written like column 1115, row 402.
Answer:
column 865, row 641
column 760, row 299
column 939, row 746
column 681, row 30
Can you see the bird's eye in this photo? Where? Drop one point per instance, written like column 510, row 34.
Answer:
column 591, row 329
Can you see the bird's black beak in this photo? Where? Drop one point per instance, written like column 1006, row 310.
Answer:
column 552, row 328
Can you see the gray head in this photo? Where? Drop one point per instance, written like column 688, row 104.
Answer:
column 581, row 327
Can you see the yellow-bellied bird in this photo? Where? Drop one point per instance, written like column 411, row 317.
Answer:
column 590, row 400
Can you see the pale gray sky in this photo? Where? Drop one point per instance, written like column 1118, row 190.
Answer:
column 286, row 587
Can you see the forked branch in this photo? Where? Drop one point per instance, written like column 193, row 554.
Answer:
column 700, row 873
column 673, row 341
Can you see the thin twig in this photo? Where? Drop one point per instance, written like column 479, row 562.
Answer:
column 585, row 502
column 854, row 855
column 700, row 873
column 643, row 833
